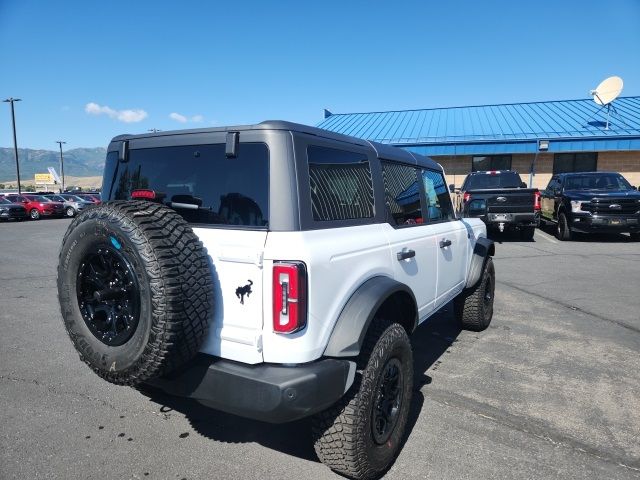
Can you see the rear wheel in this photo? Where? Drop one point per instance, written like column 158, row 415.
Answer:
column 360, row 435
column 563, row 232
column 34, row 214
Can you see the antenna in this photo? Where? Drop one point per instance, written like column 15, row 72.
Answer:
column 605, row 93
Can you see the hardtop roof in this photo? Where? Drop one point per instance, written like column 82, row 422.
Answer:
column 383, row 151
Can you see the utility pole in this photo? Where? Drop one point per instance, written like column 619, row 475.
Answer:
column 60, row 142
column 15, row 141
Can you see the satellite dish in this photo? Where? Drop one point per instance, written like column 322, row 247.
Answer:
column 608, row 90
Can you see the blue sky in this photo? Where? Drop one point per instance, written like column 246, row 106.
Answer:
column 87, row 71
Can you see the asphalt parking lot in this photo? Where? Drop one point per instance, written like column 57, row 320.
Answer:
column 550, row 390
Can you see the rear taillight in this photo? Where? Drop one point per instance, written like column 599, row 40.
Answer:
column 144, row 194
column 466, row 197
column 289, row 297
column 536, row 200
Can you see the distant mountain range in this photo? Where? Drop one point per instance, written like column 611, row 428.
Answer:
column 79, row 162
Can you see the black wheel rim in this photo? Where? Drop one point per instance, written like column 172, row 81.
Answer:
column 108, row 295
column 388, row 401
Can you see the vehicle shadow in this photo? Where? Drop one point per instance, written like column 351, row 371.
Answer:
column 430, row 341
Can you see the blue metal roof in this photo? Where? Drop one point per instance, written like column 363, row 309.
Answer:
column 570, row 125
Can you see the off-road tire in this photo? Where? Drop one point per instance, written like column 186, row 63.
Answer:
column 474, row 306
column 174, row 283
column 563, row 232
column 343, row 434
column 527, row 233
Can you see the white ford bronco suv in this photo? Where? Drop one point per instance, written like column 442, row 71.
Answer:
column 273, row 271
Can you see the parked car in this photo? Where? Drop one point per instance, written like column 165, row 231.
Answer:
column 323, row 254
column 501, row 200
column 37, row 206
column 72, row 203
column 589, row 202
column 89, row 197
column 11, row 211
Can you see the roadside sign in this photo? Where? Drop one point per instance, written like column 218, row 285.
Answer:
column 43, row 178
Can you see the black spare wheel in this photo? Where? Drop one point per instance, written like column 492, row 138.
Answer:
column 135, row 290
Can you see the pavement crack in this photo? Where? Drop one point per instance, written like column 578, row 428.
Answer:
column 572, row 307
column 529, row 426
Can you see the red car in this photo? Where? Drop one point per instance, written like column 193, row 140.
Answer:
column 89, row 197
column 37, row 206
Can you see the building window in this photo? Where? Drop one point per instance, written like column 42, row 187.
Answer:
column 575, row 162
column 491, row 162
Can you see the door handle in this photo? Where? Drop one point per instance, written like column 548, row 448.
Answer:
column 445, row 243
column 405, row 254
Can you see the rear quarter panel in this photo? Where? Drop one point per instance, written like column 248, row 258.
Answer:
column 338, row 261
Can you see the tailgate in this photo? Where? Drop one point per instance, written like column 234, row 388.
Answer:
column 518, row 200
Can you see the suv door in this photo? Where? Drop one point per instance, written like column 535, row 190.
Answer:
column 413, row 242
column 547, row 198
column 452, row 237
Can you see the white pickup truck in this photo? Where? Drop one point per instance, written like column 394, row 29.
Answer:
column 274, row 271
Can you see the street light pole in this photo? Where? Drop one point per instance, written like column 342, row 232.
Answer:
column 60, row 142
column 15, row 141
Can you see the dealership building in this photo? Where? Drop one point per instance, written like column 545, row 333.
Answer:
column 536, row 139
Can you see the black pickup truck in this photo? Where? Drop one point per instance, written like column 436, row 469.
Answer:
column 589, row 202
column 501, row 199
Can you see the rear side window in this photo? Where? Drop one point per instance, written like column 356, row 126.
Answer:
column 439, row 206
column 402, row 193
column 340, row 184
column 201, row 183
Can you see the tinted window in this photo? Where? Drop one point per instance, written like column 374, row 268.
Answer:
column 491, row 162
column 597, row 182
column 201, row 183
column 402, row 193
column 499, row 180
column 575, row 162
column 340, row 184
column 439, row 205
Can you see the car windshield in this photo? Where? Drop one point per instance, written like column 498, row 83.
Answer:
column 75, row 198
column 484, row 181
column 55, row 198
column 597, row 182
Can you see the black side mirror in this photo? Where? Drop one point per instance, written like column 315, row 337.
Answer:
column 452, row 188
column 523, row 185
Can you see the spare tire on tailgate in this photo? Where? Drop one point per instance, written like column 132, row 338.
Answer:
column 135, row 290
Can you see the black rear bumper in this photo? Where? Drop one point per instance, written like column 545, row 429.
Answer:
column 511, row 219
column 267, row 392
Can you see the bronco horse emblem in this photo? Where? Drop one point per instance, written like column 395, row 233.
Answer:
column 242, row 291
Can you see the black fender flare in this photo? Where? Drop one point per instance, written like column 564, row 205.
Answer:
column 350, row 329
column 483, row 249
